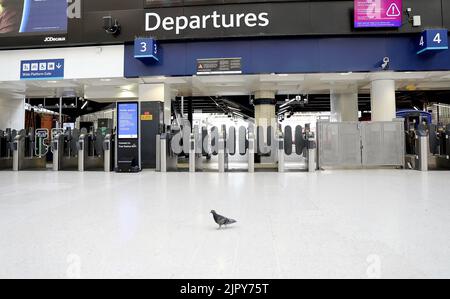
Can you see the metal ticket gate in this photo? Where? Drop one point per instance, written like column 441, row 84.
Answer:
column 65, row 149
column 30, row 149
column 6, row 148
column 439, row 140
column 301, row 143
column 202, row 143
column 95, row 151
column 428, row 147
column 225, row 144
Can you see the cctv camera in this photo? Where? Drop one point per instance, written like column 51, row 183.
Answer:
column 385, row 64
column 111, row 26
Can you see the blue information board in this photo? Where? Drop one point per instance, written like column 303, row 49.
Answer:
column 43, row 16
column 128, row 120
column 42, row 69
column 146, row 49
column 433, row 40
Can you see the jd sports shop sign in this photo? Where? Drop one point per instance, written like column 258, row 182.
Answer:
column 225, row 21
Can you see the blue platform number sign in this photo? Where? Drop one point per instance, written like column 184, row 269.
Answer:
column 433, row 40
column 146, row 49
column 42, row 69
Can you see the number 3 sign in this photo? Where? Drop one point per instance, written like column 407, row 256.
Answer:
column 146, row 49
column 433, row 40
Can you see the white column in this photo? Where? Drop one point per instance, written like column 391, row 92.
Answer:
column 265, row 116
column 159, row 92
column 382, row 100
column 344, row 104
column 264, row 112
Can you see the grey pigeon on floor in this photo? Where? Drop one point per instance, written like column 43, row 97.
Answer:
column 222, row 220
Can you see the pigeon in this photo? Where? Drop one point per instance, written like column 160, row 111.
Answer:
column 221, row 220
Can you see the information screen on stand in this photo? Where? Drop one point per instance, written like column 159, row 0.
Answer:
column 127, row 120
column 128, row 155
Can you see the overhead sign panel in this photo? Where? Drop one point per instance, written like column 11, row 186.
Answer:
column 146, row 49
column 42, row 69
column 219, row 66
column 378, row 13
column 433, row 40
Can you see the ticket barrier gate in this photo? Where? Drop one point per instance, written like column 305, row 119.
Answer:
column 170, row 146
column 417, row 148
column 223, row 144
column 427, row 147
column 202, row 144
column 95, row 151
column 65, row 149
column 302, row 143
column 6, row 148
column 440, row 146
column 30, row 149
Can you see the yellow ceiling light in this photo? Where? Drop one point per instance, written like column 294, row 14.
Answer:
column 411, row 87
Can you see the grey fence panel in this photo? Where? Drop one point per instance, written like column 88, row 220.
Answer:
column 383, row 143
column 339, row 144
column 365, row 144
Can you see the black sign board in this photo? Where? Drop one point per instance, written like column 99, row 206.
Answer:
column 219, row 66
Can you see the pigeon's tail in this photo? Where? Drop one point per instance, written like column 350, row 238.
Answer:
column 231, row 221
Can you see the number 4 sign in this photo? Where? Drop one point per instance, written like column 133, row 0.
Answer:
column 433, row 40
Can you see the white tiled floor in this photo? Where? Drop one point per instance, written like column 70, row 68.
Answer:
column 373, row 223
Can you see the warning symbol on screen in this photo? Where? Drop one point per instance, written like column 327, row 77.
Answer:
column 393, row 11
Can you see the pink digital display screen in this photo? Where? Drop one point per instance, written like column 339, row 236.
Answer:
column 378, row 13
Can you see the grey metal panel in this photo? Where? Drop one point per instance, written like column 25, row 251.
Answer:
column 205, row 141
column 243, row 141
column 299, row 141
column 383, row 143
column 288, row 140
column 186, row 139
column 264, row 140
column 215, row 141
column 231, row 144
column 270, row 136
column 259, row 139
column 198, row 139
column 339, row 144
column 434, row 139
